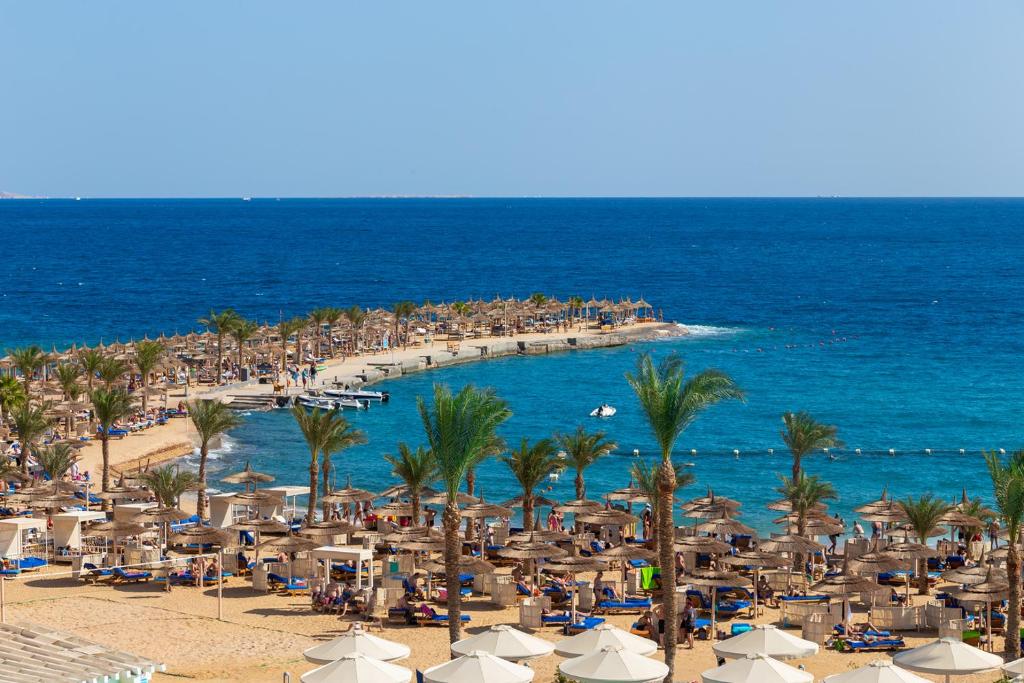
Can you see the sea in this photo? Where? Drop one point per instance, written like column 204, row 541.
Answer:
column 901, row 321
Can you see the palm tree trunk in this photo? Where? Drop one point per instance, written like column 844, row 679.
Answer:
column 655, row 509
column 239, row 358
column 1012, row 641
column 527, row 511
column 414, row 503
column 325, row 467
column 581, row 485
column 796, row 467
column 204, row 451
column 666, row 556
column 105, row 481
column 470, row 487
column 314, row 471
column 922, row 577
column 145, row 391
column 220, row 358
column 451, row 570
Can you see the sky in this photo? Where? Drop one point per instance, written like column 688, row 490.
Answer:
column 567, row 98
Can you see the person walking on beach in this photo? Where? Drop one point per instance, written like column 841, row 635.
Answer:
column 305, row 378
column 312, row 373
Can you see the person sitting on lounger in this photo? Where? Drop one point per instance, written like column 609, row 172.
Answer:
column 645, row 625
column 897, row 598
column 406, row 607
column 523, row 589
column 765, row 593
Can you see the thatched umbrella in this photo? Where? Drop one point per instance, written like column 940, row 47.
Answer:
column 467, row 564
column 629, row 494
column 403, row 491
column 715, row 579
column 994, row 587
column 790, row 543
column 711, row 500
column 411, row 533
column 161, row 515
column 845, row 584
column 261, row 526
column 423, row 545
column 201, row 535
column 574, row 564
column 724, row 526
column 395, row 508
column 892, row 514
column 578, row 506
column 532, row 550
column 755, row 560
column 124, row 492
column 607, row 517
column 875, row 562
column 349, row 494
column 544, row 535
column 704, row 545
column 248, row 476
column 538, row 501
column 625, row 552
column 882, row 503
column 328, row 529
column 972, row 575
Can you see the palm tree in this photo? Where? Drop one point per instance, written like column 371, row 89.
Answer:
column 497, row 446
column 531, row 465
column 318, row 317
column 31, row 422
column 111, row 370
column 168, row 483
column 91, row 360
column 538, row 299
column 1008, row 491
column 67, row 376
column 11, row 394
column 56, row 461
column 243, row 331
column 924, row 515
column 286, row 329
column 417, row 470
column 403, row 310
column 356, row 317
column 805, row 493
column 109, row 406
column 340, row 435
column 671, row 403
column 27, row 359
column 803, row 435
column 459, row 427
column 211, row 419
column 645, row 477
column 583, row 449
column 334, row 316
column 147, row 356
column 220, row 324
column 315, row 426
column 576, row 303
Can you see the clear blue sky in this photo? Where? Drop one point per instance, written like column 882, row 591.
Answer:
column 525, row 98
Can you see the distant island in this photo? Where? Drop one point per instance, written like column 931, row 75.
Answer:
column 13, row 195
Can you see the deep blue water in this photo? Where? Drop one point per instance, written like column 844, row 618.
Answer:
column 898, row 320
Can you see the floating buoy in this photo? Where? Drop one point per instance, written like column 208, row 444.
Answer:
column 736, row 453
column 693, row 451
column 892, row 451
column 927, row 451
column 857, row 451
column 961, row 451
column 1002, row 451
column 771, row 451
column 636, row 452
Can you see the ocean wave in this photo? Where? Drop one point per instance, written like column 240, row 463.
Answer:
column 697, row 331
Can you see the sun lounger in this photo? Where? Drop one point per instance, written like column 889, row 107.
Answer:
column 31, row 564
column 96, row 573
column 627, row 605
column 803, row 598
column 555, row 619
column 115, row 433
column 585, row 624
column 10, row 572
column 724, row 609
column 880, row 645
column 121, row 576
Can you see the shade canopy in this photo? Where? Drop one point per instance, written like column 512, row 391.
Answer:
column 506, row 642
column 613, row 664
column 604, row 635
column 358, row 668
column 949, row 657
column 358, row 641
column 756, row 668
column 478, row 667
column 880, row 671
column 765, row 639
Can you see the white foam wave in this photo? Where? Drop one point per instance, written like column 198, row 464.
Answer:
column 697, row 331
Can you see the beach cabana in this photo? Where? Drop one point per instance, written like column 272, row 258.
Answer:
column 287, row 500
column 765, row 639
column 357, row 641
column 880, row 671
column 129, row 511
column 478, row 667
column 67, row 527
column 12, row 532
column 357, row 668
column 352, row 553
column 604, row 635
column 757, row 668
column 506, row 642
column 614, row 664
column 947, row 657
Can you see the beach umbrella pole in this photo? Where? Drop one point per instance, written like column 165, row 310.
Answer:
column 220, row 585
column 714, row 613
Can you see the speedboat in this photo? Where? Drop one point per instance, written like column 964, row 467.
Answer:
column 358, row 395
column 603, row 410
column 330, row 403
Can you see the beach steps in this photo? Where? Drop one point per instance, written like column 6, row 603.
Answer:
column 250, row 402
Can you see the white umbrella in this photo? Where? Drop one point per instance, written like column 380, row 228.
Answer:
column 1014, row 668
column 478, row 667
column 880, row 671
column 948, row 657
column 603, row 635
column 759, row 668
column 358, row 668
column 613, row 664
column 768, row 640
column 506, row 642
column 353, row 641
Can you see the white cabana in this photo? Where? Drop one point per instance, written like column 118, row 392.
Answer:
column 12, row 533
column 614, row 664
column 282, row 506
column 129, row 511
column 757, row 668
column 358, row 668
column 67, row 527
column 880, row 671
column 346, row 553
column 947, row 657
column 354, row 641
column 506, row 642
column 478, row 667
column 603, row 635
column 768, row 640
column 222, row 510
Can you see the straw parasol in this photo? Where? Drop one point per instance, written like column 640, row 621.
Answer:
column 505, row 642
column 790, row 543
column 538, row 501
column 765, row 639
column 160, row 515
column 578, row 506
column 442, row 499
column 883, row 502
column 607, row 517
column 478, row 667
column 613, row 663
column 403, row 491
column 970, row 575
column 413, row 533
column 756, row 668
column 261, row 526
column 357, row 641
column 467, row 564
column 349, row 494
column 947, row 657
column 481, row 510
column 252, row 498
column 993, row 588
column 248, row 476
column 202, row 535
column 715, row 579
column 724, row 525
column 426, row 545
column 288, row 544
column 712, row 500
column 756, row 560
column 123, row 492
column 702, row 545
column 604, row 635
column 845, row 584
column 116, row 529
column 357, row 668
column 328, row 529
column 878, row 671
column 875, row 562
column 539, row 535
column 395, row 508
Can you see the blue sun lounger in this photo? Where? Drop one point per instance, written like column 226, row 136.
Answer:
column 29, row 564
column 555, row 619
column 95, row 573
column 880, row 645
column 121, row 575
column 585, row 624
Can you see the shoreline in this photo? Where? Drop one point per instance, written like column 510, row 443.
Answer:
column 173, row 441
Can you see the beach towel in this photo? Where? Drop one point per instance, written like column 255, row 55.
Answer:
column 647, row 575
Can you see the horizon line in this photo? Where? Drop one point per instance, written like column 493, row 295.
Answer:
column 16, row 198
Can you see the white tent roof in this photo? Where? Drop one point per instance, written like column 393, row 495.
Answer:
column 478, row 667
column 1014, row 668
column 358, row 668
column 23, row 523
column 35, row 654
column 356, row 640
column 768, row 640
column 506, row 642
column 948, row 656
column 81, row 515
column 354, row 553
column 613, row 664
column 757, row 668
column 880, row 671
column 604, row 634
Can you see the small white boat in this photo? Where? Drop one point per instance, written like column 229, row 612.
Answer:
column 357, row 395
column 603, row 410
column 329, row 403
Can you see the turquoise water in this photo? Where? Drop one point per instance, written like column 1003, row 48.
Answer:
column 898, row 320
